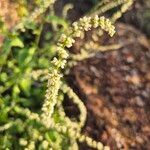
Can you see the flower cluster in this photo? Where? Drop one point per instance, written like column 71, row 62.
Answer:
column 53, row 86
column 51, row 96
column 78, row 102
column 86, row 23
column 68, row 41
column 110, row 5
column 54, row 79
column 123, row 9
column 81, row 138
column 36, row 135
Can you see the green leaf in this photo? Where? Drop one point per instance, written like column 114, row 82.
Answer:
column 16, row 90
column 6, row 48
column 25, row 56
column 25, row 85
column 17, row 42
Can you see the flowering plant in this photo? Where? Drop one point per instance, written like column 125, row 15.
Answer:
column 26, row 121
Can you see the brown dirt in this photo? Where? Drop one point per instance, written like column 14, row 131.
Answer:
column 115, row 87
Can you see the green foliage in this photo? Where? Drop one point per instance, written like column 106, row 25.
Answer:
column 30, row 59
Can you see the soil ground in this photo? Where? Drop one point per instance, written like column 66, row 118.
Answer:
column 115, row 87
